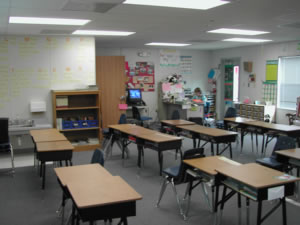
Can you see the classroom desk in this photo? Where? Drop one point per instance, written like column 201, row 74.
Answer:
column 263, row 127
column 206, row 168
column 212, row 135
column 290, row 157
column 53, row 151
column 47, row 135
column 96, row 194
column 67, row 175
column 172, row 124
column 257, row 183
column 146, row 138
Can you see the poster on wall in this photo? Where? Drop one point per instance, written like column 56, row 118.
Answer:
column 228, row 83
column 185, row 65
column 169, row 58
column 271, row 70
column 140, row 76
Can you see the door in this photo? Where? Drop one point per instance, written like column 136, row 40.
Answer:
column 110, row 78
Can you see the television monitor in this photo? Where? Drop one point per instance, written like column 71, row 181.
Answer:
column 134, row 96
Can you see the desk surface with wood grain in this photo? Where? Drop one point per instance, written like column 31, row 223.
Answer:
column 177, row 122
column 100, row 192
column 290, row 153
column 81, row 172
column 47, row 135
column 211, row 163
column 54, row 146
column 214, row 132
column 256, row 175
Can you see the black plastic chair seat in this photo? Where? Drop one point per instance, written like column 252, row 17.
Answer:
column 270, row 162
column 172, row 171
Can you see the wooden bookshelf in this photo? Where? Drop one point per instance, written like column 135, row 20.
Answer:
column 80, row 117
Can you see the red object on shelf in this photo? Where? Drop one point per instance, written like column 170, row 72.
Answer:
column 197, row 100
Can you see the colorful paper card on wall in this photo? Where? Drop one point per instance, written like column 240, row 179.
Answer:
column 271, row 69
column 166, row 87
column 140, row 76
column 123, row 106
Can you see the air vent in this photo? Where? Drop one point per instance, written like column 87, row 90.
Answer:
column 96, row 6
column 57, row 32
column 291, row 25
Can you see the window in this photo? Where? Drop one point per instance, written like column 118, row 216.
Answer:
column 288, row 82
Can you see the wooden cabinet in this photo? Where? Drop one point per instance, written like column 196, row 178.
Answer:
column 256, row 112
column 77, row 115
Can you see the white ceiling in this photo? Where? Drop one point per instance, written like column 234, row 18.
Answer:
column 158, row 24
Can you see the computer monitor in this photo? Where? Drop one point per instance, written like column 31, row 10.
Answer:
column 134, row 96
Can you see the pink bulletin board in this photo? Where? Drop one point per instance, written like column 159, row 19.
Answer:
column 141, row 76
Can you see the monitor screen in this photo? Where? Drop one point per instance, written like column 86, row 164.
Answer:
column 134, row 95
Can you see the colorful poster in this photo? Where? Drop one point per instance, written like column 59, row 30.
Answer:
column 271, row 70
column 141, row 76
column 169, row 58
column 186, row 65
column 228, row 83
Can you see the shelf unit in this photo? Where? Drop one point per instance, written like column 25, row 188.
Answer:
column 80, row 106
column 256, row 112
column 212, row 107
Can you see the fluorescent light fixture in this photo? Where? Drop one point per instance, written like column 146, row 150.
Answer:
column 186, row 4
column 247, row 40
column 237, row 31
column 103, row 32
column 46, row 21
column 167, row 44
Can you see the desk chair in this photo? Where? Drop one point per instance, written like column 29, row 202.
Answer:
column 283, row 142
column 5, row 145
column 137, row 116
column 177, row 175
column 231, row 112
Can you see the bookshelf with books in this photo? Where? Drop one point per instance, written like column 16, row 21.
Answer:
column 77, row 115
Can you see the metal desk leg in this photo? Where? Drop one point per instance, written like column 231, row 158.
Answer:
column 283, row 211
column 242, row 139
column 248, row 210
column 43, row 164
column 263, row 153
column 160, row 160
column 239, row 209
column 212, row 148
column 223, row 202
column 259, row 208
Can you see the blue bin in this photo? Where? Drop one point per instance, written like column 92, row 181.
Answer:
column 93, row 123
column 67, row 125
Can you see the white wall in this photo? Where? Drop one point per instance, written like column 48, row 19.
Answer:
column 31, row 66
column 201, row 64
column 258, row 55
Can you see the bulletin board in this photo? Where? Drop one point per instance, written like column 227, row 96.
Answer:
column 31, row 66
column 141, row 76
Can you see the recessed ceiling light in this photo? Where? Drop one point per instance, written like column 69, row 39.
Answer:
column 167, row 44
column 237, row 31
column 187, row 4
column 46, row 21
column 103, row 32
column 246, row 40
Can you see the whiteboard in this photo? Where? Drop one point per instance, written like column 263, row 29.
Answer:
column 31, row 66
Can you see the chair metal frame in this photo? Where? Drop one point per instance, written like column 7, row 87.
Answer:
column 180, row 178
